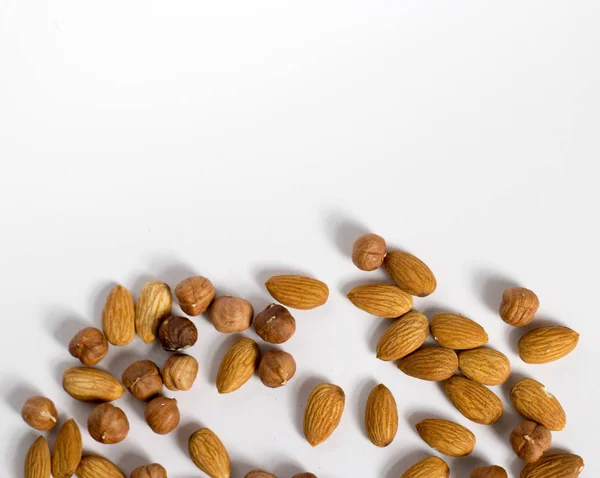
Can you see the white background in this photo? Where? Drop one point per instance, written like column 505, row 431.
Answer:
column 145, row 139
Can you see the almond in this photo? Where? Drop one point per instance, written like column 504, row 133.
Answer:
column 118, row 316
column 457, row 332
column 446, row 437
column 298, row 292
column 92, row 466
column 410, row 273
column 91, row 385
column 473, row 400
column 430, row 363
column 154, row 303
column 404, row 336
column 195, row 295
column 489, row 472
column 432, row 467
column 486, row 366
column 518, row 306
column 37, row 461
column 563, row 465
column 547, row 344
column 209, row 454
column 383, row 300
column 381, row 416
column 532, row 400
column 67, row 450
column 238, row 365
column 323, row 412
column 259, row 474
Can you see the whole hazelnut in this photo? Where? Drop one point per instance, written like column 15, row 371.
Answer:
column 368, row 252
column 275, row 324
column 276, row 368
column 530, row 440
column 142, row 379
column 489, row 472
column 153, row 470
column 179, row 372
column 195, row 294
column 231, row 314
column 304, row 475
column 259, row 474
column 518, row 306
column 177, row 333
column 39, row 413
column 162, row 414
column 108, row 424
column 89, row 345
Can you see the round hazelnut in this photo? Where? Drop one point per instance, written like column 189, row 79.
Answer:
column 276, row 368
column 304, row 475
column 368, row 252
column 275, row 324
column 179, row 372
column 259, row 474
column 89, row 345
column 177, row 333
column 530, row 440
column 518, row 306
column 231, row 314
column 489, row 472
column 108, row 424
column 142, row 379
column 194, row 294
column 162, row 414
column 39, row 413
column 153, row 470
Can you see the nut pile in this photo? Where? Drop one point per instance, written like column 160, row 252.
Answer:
column 461, row 362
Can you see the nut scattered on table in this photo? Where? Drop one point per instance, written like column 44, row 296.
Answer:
column 179, row 372
column 259, row 474
column 154, row 303
column 446, row 437
column 428, row 467
column 108, row 424
column 93, row 466
column 457, row 332
column 162, row 415
column 118, row 316
column 368, row 251
column 530, row 440
column 89, row 345
column 382, row 300
column 476, row 402
column 195, row 295
column 518, row 306
column 298, row 292
column 231, row 314
column 430, row 363
column 143, row 380
column 39, row 413
column 177, row 333
column 547, row 344
column 153, row 470
column 323, row 412
column 403, row 337
column 37, row 460
column 486, row 366
column 238, row 365
column 276, row 368
column 209, row 454
column 91, row 385
column 381, row 416
column 535, row 402
column 489, row 472
column 275, row 324
column 67, row 450
column 410, row 273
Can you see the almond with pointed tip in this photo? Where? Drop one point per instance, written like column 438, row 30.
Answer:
column 153, row 470
column 533, row 400
column 91, row 385
column 37, row 461
column 457, row 332
column 323, row 412
column 383, row 300
column 473, row 400
column 403, row 337
column 154, row 303
column 68, row 447
column 381, row 416
column 518, row 306
column 298, row 292
column 547, row 344
column 118, row 316
column 430, row 363
column 486, row 366
column 209, row 454
column 431, row 467
column 489, row 472
column 562, row 465
column 446, row 437
column 238, row 365
column 410, row 273
column 93, row 466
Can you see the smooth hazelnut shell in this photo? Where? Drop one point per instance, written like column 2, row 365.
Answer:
column 108, row 424
column 276, row 368
column 89, row 345
column 40, row 413
column 177, row 333
column 142, row 379
column 162, row 415
column 275, row 324
column 179, row 372
column 154, row 470
column 368, row 252
column 231, row 314
column 194, row 295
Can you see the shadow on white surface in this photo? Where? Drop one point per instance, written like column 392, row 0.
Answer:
column 362, row 392
column 464, row 465
column 183, row 433
column 263, row 274
column 379, row 328
column 302, row 393
column 343, row 230
column 397, row 467
column 131, row 460
column 414, row 416
column 97, row 301
column 517, row 332
column 64, row 331
column 490, row 285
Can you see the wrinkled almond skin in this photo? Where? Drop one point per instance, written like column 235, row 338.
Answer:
column 118, row 316
column 39, row 413
column 381, row 416
column 68, row 447
column 91, row 385
column 37, row 461
column 259, row 474
column 195, row 295
column 92, row 466
column 383, row 300
column 531, row 399
column 530, row 440
column 473, row 400
column 231, row 314
column 177, row 333
column 410, row 273
column 275, row 324
column 430, row 363
column 446, row 437
column 162, row 415
column 209, row 454
column 298, row 292
column 485, row 366
column 547, row 344
column 238, row 365
column 489, row 472
column 323, row 412
column 457, row 332
column 179, row 372
column 403, row 337
column 89, row 345
column 276, row 368
column 432, row 467
column 564, row 465
column 518, row 306
column 154, row 303
column 143, row 380
column 154, row 470
column 108, row 424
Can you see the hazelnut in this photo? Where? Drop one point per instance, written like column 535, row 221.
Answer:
column 530, row 440
column 179, row 372
column 195, row 294
column 368, row 252
column 276, row 368
column 177, row 333
column 489, row 472
column 162, row 415
column 153, row 470
column 518, row 306
column 259, row 474
column 39, row 413
column 89, row 345
column 231, row 314
column 275, row 324
column 108, row 424
column 142, row 379
column 304, row 475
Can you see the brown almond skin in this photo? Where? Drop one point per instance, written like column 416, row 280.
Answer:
column 276, row 368
column 179, row 372
column 195, row 295
column 383, row 300
column 108, row 424
column 154, row 470
column 118, row 316
column 323, row 412
column 238, row 365
column 529, row 441
column 68, row 447
column 485, row 366
column 89, row 345
column 410, row 273
column 297, row 291
column 154, row 303
column 446, row 437
column 93, row 466
column 39, row 413
column 432, row 467
column 473, row 400
column 231, row 314
column 518, row 306
column 368, row 252
column 547, row 344
column 489, row 472
column 381, row 416
column 37, row 461
column 177, row 333
column 563, row 465
column 275, row 324
column 162, row 415
column 457, row 332
column 430, row 363
column 143, row 380
column 209, row 454
column 91, row 385
column 259, row 474
column 403, row 337
column 531, row 399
